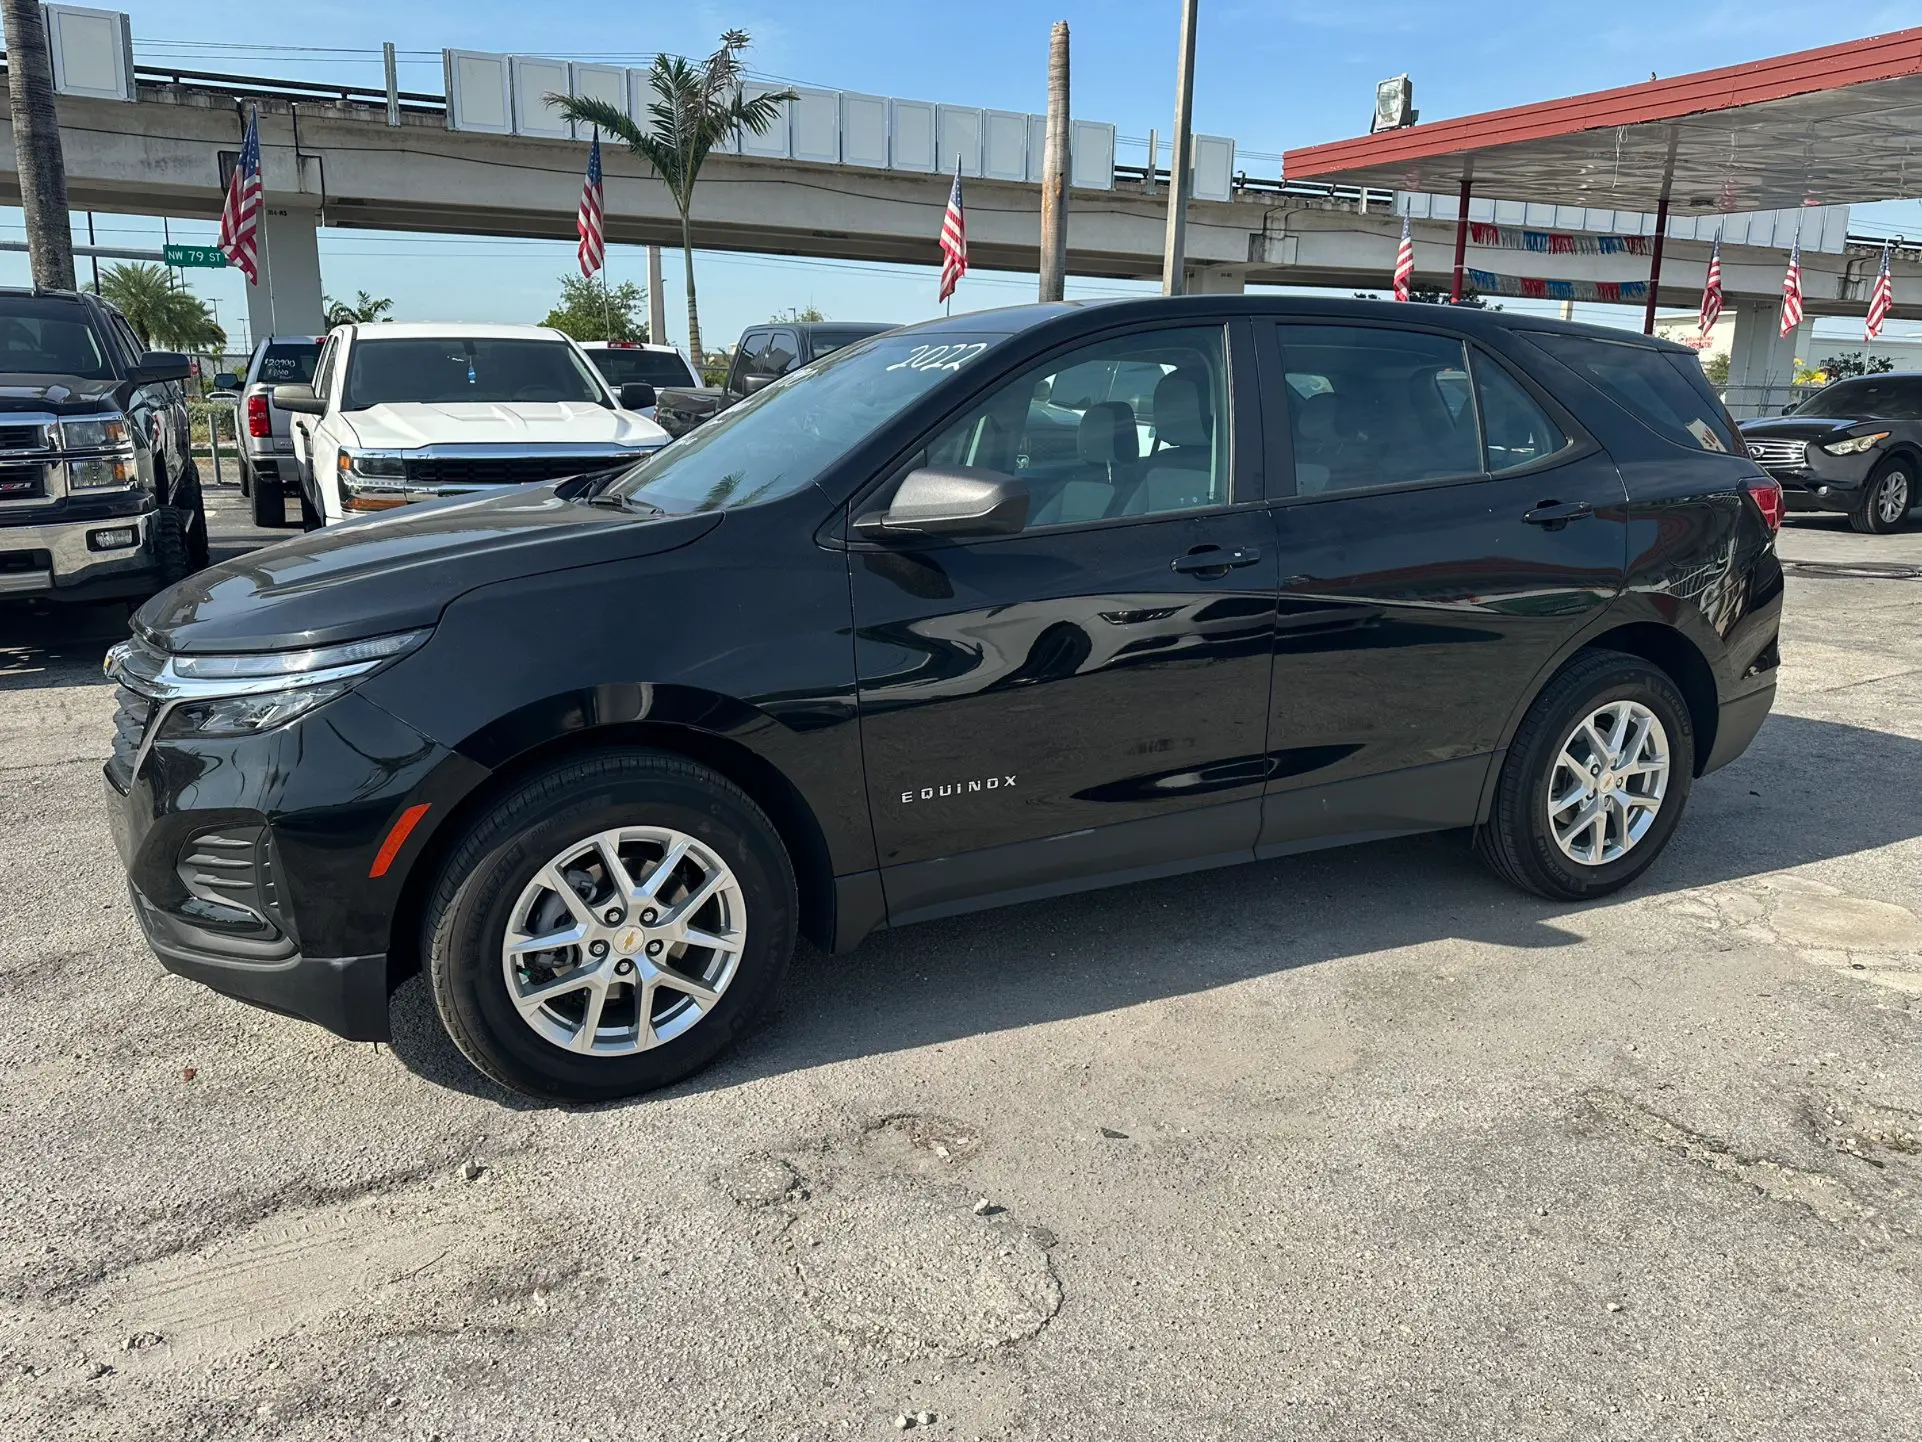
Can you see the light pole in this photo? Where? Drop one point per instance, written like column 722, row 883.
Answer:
column 1183, row 159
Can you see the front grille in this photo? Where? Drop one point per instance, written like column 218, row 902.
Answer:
column 132, row 712
column 508, row 470
column 1779, row 454
column 22, row 483
column 23, row 438
column 27, row 562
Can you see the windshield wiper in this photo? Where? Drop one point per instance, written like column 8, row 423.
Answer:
column 615, row 502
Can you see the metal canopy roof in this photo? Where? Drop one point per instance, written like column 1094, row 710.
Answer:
column 1820, row 127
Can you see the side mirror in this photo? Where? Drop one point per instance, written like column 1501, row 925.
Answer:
column 1789, row 408
column 752, row 384
column 161, row 365
column 226, row 381
column 951, row 501
column 637, row 396
column 300, row 399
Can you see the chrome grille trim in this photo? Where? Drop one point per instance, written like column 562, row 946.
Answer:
column 1785, row 454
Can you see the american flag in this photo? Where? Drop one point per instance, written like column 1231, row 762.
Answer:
column 1792, row 290
column 1881, row 299
column 954, row 239
column 1404, row 262
column 1712, row 289
column 591, row 221
column 240, row 216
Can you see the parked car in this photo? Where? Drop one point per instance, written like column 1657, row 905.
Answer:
column 989, row 610
column 624, row 362
column 1854, row 446
column 765, row 354
column 269, row 474
column 99, row 495
column 399, row 413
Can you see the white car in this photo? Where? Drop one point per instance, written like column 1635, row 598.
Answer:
column 400, row 413
column 623, row 362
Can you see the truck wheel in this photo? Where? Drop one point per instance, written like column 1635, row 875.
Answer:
column 193, row 507
column 610, row 926
column 1886, row 498
column 1594, row 781
column 270, row 503
column 310, row 519
column 167, row 537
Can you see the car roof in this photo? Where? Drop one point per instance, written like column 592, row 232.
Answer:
column 1470, row 320
column 450, row 330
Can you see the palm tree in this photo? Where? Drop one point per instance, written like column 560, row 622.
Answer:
column 36, row 135
column 696, row 107
column 362, row 308
column 161, row 314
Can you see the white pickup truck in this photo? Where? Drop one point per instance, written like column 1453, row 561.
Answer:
column 411, row 412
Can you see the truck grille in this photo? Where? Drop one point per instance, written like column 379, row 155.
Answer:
column 1778, row 454
column 508, row 470
column 132, row 713
column 23, row 438
column 23, row 483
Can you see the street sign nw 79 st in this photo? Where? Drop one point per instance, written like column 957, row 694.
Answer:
column 207, row 257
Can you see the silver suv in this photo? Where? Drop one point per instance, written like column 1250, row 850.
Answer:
column 269, row 473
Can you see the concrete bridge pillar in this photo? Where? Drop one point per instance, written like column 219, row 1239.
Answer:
column 1211, row 278
column 286, row 301
column 1761, row 363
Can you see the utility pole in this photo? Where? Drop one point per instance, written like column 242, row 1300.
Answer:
column 36, row 143
column 656, row 301
column 1054, row 171
column 1183, row 161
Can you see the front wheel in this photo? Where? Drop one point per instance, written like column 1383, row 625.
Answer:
column 1886, row 498
column 610, row 926
column 1594, row 781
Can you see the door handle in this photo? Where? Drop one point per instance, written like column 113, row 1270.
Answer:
column 1212, row 560
column 1555, row 514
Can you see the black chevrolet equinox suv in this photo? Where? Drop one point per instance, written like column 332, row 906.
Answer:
column 981, row 611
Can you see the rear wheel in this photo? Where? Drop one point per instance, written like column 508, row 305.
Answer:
column 1594, row 782
column 270, row 501
column 1886, row 498
column 610, row 926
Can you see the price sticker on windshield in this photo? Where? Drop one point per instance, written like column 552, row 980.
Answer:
column 939, row 357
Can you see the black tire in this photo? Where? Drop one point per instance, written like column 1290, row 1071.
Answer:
column 1516, row 840
column 482, row 880
column 1887, row 497
column 167, row 538
column 193, row 507
column 310, row 519
column 270, row 503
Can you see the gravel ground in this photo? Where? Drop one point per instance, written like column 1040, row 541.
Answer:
column 1357, row 1145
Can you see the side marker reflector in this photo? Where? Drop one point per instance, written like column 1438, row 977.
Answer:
column 397, row 838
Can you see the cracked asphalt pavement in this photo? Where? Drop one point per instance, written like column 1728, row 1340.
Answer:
column 1354, row 1145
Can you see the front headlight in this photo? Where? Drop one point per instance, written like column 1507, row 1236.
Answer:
column 245, row 694
column 101, row 473
column 1855, row 445
column 374, row 465
column 96, row 433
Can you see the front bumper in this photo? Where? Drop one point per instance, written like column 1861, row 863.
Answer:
column 249, row 859
column 1824, row 482
column 61, row 559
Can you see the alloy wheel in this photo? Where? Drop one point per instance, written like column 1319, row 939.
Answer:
column 624, row 940
column 1892, row 498
column 1607, row 783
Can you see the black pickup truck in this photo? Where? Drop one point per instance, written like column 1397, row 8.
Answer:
column 764, row 355
column 99, row 496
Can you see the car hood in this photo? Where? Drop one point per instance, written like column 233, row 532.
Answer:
column 407, row 425
column 1797, row 428
column 398, row 570
column 60, row 395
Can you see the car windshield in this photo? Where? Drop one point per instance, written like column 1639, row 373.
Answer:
column 785, row 437
column 826, row 340
column 289, row 363
column 657, row 368
column 460, row 370
column 50, row 337
column 1870, row 398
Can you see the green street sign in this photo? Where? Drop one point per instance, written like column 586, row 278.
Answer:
column 207, row 257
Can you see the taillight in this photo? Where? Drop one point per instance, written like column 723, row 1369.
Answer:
column 258, row 425
column 1767, row 495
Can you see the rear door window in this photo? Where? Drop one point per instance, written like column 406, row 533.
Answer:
column 1371, row 406
column 1652, row 385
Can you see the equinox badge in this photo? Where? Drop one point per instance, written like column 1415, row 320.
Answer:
column 930, row 793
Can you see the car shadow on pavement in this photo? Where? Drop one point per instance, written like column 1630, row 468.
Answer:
column 63, row 646
column 1807, row 791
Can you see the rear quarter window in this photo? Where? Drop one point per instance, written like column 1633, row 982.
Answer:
column 1666, row 392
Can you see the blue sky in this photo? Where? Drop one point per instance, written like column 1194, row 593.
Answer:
column 1271, row 75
